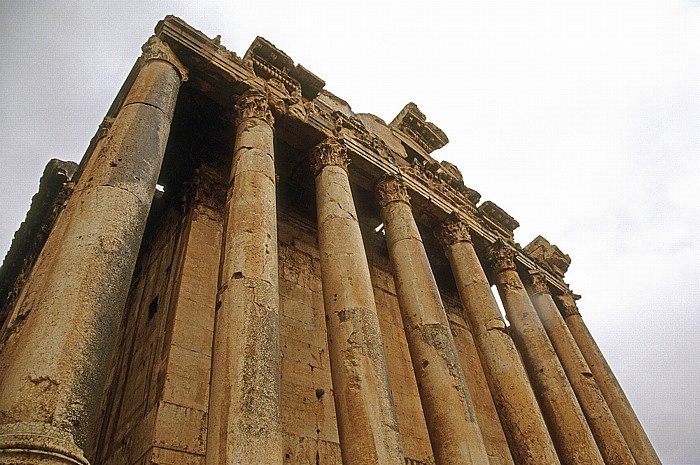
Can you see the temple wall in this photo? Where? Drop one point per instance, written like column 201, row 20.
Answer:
column 262, row 259
column 414, row 434
column 158, row 399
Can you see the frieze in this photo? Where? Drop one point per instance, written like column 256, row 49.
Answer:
column 501, row 255
column 156, row 49
column 253, row 105
column 452, row 231
column 391, row 189
column 441, row 182
column 330, row 152
column 345, row 123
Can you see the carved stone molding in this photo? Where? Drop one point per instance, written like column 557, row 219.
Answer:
column 433, row 177
column 498, row 218
column 538, row 282
column 330, row 152
column 205, row 188
column 286, row 100
column 502, row 256
column 391, row 189
column 567, row 304
column 266, row 61
column 253, row 104
column 411, row 122
column 156, row 49
column 345, row 124
column 452, row 231
column 549, row 255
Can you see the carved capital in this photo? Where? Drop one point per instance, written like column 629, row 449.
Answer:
column 538, row 282
column 330, row 152
column 391, row 189
column 501, row 255
column 156, row 49
column 253, row 104
column 452, row 231
column 567, row 304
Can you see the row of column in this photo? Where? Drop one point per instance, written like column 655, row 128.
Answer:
column 52, row 381
column 245, row 422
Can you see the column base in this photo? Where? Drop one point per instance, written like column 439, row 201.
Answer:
column 38, row 443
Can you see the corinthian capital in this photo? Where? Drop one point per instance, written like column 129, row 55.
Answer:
column 538, row 282
column 567, row 304
column 391, row 189
column 156, row 49
column 452, row 231
column 253, row 104
column 330, row 152
column 501, row 255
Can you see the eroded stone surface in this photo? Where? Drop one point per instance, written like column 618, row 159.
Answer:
column 270, row 316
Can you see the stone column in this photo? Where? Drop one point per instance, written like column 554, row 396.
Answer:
column 244, row 411
column 515, row 402
column 567, row 425
column 363, row 401
column 447, row 406
column 627, row 420
column 607, row 435
column 55, row 364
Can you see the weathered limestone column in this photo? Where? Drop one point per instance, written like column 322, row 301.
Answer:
column 627, row 420
column 515, row 402
column 567, row 425
column 447, row 406
column 364, row 404
column 244, row 411
column 55, row 365
column 607, row 435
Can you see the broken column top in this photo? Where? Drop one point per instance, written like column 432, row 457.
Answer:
column 548, row 255
column 411, row 123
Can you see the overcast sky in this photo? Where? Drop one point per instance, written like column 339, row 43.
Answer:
column 580, row 119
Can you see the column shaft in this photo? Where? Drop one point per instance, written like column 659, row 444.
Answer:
column 567, row 425
column 364, row 405
column 607, row 435
column 244, row 411
column 632, row 430
column 449, row 413
column 57, row 360
column 522, row 422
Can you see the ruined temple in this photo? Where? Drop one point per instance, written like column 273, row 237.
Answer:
column 241, row 270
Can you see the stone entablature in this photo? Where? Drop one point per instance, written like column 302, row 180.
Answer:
column 269, row 70
column 424, row 178
column 548, row 255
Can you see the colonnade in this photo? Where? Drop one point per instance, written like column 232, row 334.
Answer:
column 556, row 397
